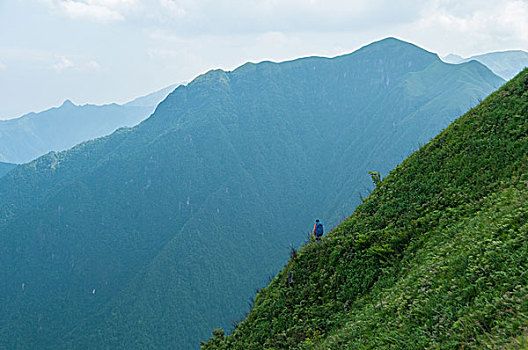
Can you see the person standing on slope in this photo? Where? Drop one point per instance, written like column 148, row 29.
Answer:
column 318, row 230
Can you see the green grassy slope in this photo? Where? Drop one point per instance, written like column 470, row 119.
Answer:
column 435, row 257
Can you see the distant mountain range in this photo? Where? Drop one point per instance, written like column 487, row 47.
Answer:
column 154, row 235
column 32, row 135
column 152, row 99
column 505, row 64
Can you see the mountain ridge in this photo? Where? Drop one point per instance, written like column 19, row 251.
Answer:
column 505, row 64
column 34, row 134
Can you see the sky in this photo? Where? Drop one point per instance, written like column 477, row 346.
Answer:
column 104, row 51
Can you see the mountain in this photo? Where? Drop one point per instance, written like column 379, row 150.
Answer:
column 32, row 135
column 453, row 58
column 5, row 167
column 151, row 236
column 505, row 64
column 435, row 258
column 153, row 99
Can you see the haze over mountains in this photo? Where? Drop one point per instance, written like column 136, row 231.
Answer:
column 505, row 64
column 154, row 235
column 24, row 139
column 32, row 135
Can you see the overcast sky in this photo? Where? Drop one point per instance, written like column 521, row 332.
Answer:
column 102, row 51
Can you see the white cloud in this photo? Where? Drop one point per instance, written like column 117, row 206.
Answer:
column 93, row 65
column 78, row 63
column 236, row 17
column 166, row 36
column 470, row 27
column 502, row 18
column 2, row 66
column 250, row 16
column 42, row 58
column 163, row 53
column 10, row 54
column 62, row 64
column 76, row 10
column 174, row 8
column 514, row 16
column 99, row 10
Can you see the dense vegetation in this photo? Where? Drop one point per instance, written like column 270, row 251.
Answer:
column 435, row 257
column 5, row 167
column 152, row 236
column 56, row 129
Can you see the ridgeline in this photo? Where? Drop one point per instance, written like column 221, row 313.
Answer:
column 32, row 135
column 435, row 257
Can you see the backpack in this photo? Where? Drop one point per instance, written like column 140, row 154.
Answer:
column 319, row 229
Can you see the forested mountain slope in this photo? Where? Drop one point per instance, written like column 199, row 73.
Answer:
column 436, row 257
column 56, row 129
column 152, row 236
column 5, row 167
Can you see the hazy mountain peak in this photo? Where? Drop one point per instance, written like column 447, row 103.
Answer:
column 505, row 64
column 31, row 135
column 392, row 43
column 215, row 75
column 68, row 103
column 453, row 58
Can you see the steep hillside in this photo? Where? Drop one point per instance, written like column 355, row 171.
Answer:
column 5, row 167
column 35, row 134
column 153, row 235
column 435, row 257
column 505, row 64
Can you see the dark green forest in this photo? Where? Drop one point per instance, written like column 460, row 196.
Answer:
column 435, row 258
column 154, row 235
